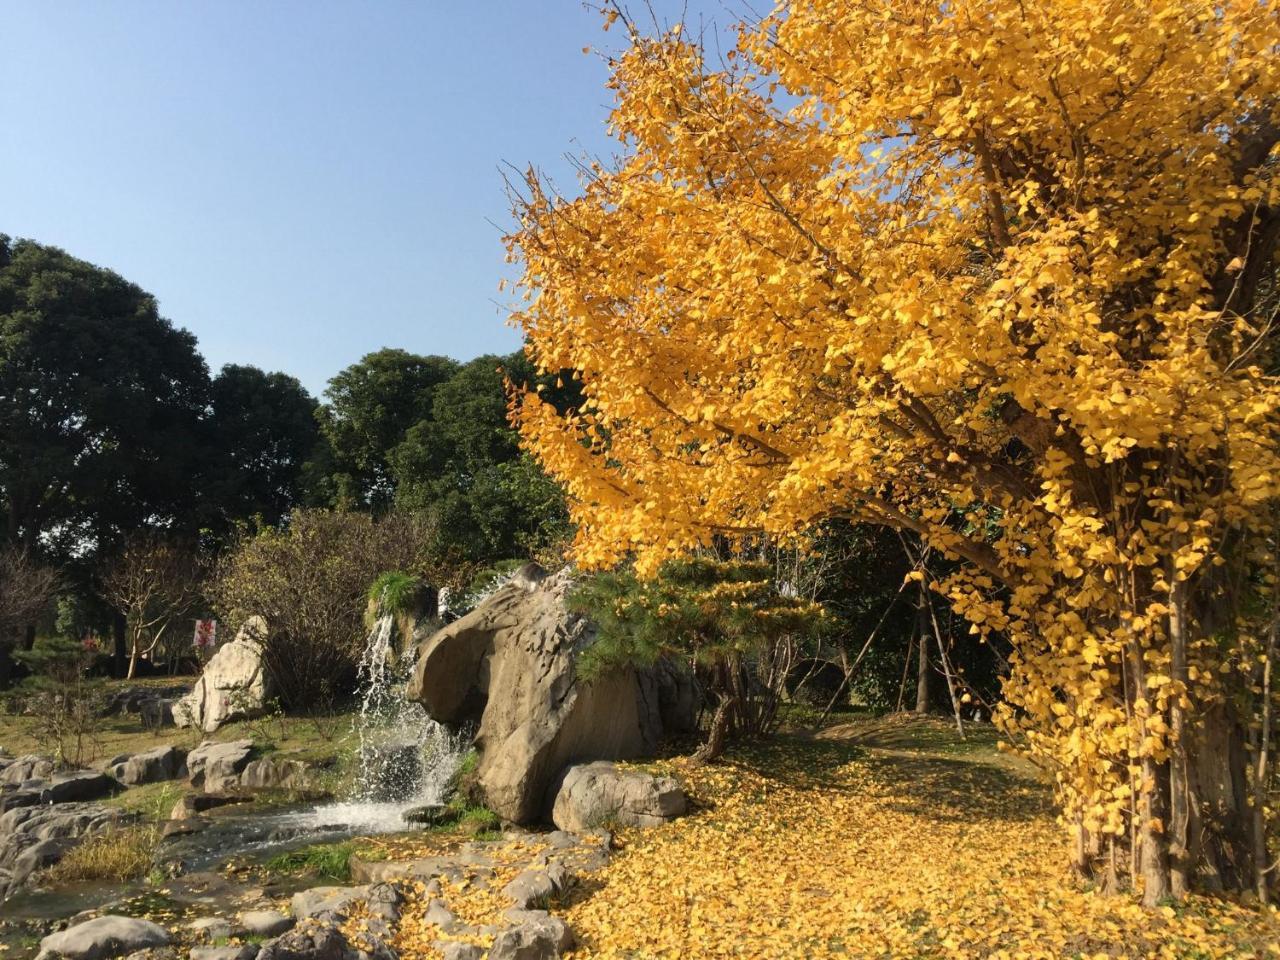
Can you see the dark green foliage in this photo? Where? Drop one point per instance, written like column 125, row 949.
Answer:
column 725, row 618
column 708, row 611
column 262, row 434
column 101, row 400
column 372, row 405
column 464, row 464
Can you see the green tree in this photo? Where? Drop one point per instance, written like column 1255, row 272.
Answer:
column 722, row 617
column 464, row 464
column 372, row 405
column 101, row 400
column 262, row 433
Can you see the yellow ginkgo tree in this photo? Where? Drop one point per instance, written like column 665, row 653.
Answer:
column 996, row 272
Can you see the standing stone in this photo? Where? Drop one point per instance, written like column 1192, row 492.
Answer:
column 234, row 683
column 510, row 665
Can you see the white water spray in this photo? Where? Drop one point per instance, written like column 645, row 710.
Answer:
column 405, row 759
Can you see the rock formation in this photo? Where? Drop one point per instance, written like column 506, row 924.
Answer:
column 509, row 668
column 234, row 683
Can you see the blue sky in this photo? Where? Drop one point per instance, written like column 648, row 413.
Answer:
column 300, row 182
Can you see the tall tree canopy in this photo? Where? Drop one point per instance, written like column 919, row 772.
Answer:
column 100, row 402
column 372, row 404
column 263, row 432
column 999, row 273
column 464, row 464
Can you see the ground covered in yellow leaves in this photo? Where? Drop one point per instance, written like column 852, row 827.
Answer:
column 886, row 839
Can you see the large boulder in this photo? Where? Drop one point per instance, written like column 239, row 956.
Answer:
column 234, row 684
column 509, row 668
column 151, row 766
column 216, row 767
column 104, row 937
column 601, row 794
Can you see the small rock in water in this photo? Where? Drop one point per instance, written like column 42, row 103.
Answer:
column 431, row 814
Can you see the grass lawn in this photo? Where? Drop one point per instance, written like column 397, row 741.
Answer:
column 323, row 739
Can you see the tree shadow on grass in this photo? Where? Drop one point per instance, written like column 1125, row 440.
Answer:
column 919, row 765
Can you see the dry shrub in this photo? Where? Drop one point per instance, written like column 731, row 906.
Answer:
column 310, row 581
column 122, row 853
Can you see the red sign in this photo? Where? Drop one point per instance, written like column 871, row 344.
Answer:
column 206, row 634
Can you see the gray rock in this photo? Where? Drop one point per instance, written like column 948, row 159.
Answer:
column 163, row 763
column 109, row 936
column 453, row 950
column 268, row 773
column 234, row 684
column 384, row 900
column 29, row 767
column 535, row 888
column 437, row 912
column 593, row 794
column 265, row 923
column 215, row 928
column 79, row 785
column 312, row 942
column 246, row 951
column 539, row 936
column 510, row 665
column 216, row 767
column 326, row 901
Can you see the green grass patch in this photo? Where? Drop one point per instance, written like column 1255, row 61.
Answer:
column 332, row 861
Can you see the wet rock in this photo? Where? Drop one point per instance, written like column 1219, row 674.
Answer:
column 109, row 936
column 593, row 794
column 234, row 684
column 510, row 664
column 194, row 804
column 163, row 763
column 216, row 767
column 265, row 923
column 430, row 814
column 183, row 828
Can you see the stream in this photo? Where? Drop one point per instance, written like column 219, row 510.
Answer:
column 404, row 760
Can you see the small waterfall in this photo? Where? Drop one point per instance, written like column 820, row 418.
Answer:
column 404, row 757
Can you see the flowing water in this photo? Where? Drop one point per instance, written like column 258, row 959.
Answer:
column 405, row 759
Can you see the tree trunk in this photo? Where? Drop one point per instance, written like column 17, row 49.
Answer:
column 922, row 654
column 714, row 745
column 120, row 650
column 1179, row 802
column 135, row 647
